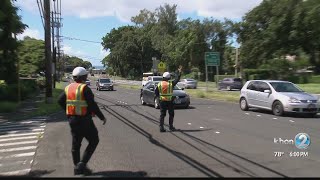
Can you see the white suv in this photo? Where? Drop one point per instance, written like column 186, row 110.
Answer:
column 151, row 78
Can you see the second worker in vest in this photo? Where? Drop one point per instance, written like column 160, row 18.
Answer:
column 164, row 91
column 78, row 102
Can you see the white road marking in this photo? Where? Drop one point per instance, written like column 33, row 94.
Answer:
column 19, row 172
column 18, row 143
column 20, row 125
column 14, row 163
column 291, row 121
column 189, row 123
column 33, row 130
column 31, row 161
column 22, row 134
column 24, row 122
column 209, row 107
column 217, row 132
column 247, row 113
column 18, row 149
column 18, row 155
column 201, row 127
column 18, row 138
column 22, row 128
column 258, row 115
column 275, row 118
column 216, row 119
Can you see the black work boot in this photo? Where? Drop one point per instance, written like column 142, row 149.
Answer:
column 172, row 128
column 162, row 129
column 82, row 169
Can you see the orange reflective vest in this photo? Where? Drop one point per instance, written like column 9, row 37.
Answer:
column 76, row 103
column 165, row 90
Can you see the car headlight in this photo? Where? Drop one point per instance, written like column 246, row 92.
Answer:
column 294, row 100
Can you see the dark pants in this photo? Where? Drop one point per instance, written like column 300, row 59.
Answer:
column 83, row 128
column 164, row 106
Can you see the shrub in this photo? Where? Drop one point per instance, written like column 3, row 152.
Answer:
column 201, row 94
column 315, row 79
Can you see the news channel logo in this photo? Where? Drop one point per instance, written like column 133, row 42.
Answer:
column 302, row 141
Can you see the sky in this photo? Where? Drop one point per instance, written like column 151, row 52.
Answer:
column 93, row 19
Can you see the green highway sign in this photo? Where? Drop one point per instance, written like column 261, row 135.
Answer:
column 212, row 58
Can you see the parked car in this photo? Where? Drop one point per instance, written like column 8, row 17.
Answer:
column 151, row 78
column 230, row 83
column 147, row 96
column 88, row 82
column 278, row 96
column 188, row 83
column 104, row 83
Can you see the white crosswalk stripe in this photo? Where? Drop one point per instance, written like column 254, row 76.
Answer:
column 18, row 145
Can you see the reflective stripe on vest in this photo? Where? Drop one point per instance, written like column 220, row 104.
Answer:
column 165, row 91
column 76, row 104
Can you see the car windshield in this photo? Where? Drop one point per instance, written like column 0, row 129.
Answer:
column 285, row 87
column 157, row 78
column 104, row 80
column 190, row 80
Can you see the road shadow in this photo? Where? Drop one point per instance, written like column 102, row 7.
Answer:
column 39, row 173
column 287, row 114
column 119, row 173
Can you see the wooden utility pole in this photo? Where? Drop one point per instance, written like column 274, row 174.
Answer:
column 47, row 39
column 53, row 50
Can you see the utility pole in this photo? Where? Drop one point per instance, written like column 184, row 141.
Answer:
column 236, row 64
column 47, row 39
column 53, row 50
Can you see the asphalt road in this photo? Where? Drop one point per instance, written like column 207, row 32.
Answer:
column 215, row 139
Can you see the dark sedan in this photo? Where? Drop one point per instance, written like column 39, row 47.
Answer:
column 104, row 83
column 230, row 83
column 147, row 96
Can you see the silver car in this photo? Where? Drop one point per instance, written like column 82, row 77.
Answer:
column 188, row 83
column 278, row 96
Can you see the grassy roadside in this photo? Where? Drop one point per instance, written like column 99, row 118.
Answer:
column 127, row 86
column 310, row 88
column 8, row 106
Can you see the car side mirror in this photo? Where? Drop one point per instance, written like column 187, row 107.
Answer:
column 267, row 91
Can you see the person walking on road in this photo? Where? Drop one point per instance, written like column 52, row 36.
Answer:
column 78, row 102
column 164, row 91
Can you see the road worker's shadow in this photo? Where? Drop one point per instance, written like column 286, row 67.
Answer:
column 119, row 174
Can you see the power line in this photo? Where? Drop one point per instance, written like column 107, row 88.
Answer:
column 40, row 11
column 77, row 39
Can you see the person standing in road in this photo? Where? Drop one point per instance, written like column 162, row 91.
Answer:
column 78, row 102
column 164, row 91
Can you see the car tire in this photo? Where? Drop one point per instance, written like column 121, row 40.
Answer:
column 142, row 101
column 243, row 104
column 156, row 103
column 277, row 108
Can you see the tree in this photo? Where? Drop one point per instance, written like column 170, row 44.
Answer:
column 31, row 56
column 10, row 24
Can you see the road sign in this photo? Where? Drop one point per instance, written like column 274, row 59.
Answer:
column 162, row 67
column 212, row 58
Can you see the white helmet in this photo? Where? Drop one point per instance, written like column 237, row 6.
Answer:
column 79, row 71
column 166, row 75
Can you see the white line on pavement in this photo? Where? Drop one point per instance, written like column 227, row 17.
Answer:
column 18, row 155
column 247, row 113
column 201, row 127
column 258, row 115
column 18, row 138
column 216, row 119
column 14, row 163
column 18, row 149
column 22, row 128
column 19, row 172
column 217, row 132
column 24, row 131
column 22, row 134
column 18, row 143
column 291, row 121
column 189, row 123
column 21, row 125
column 275, row 118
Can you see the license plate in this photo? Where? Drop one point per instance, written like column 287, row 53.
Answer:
column 178, row 101
column 311, row 106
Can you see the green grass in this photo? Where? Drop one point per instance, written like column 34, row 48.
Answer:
column 126, row 86
column 312, row 88
column 230, row 96
column 7, row 106
column 211, row 85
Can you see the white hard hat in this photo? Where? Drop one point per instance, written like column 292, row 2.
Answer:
column 166, row 75
column 79, row 71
